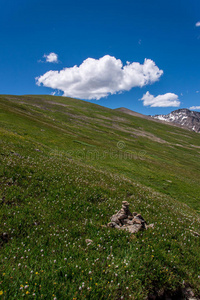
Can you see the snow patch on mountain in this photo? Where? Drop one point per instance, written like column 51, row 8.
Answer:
column 184, row 117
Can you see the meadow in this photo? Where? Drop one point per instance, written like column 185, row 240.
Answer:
column 66, row 166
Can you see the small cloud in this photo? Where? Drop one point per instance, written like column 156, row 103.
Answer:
column 197, row 24
column 194, row 108
column 166, row 100
column 51, row 57
column 197, row 92
column 140, row 42
column 98, row 78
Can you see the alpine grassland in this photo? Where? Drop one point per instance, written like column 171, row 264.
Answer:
column 66, row 165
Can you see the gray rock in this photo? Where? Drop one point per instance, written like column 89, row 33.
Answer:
column 140, row 217
column 124, row 219
column 150, row 226
column 88, row 242
column 134, row 228
column 113, row 225
column 115, row 219
column 188, row 293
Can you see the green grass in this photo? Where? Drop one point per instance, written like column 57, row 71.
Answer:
column 66, row 166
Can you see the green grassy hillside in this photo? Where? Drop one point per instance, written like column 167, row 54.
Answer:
column 66, row 165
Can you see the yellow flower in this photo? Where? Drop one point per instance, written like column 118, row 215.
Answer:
column 27, row 292
column 1, row 292
column 36, row 273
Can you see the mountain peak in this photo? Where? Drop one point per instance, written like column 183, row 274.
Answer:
column 184, row 117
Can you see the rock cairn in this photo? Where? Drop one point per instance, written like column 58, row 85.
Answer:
column 124, row 219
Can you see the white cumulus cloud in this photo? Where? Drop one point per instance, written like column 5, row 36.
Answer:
column 166, row 100
column 194, row 108
column 98, row 78
column 51, row 57
column 197, row 24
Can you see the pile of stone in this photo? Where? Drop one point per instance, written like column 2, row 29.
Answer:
column 124, row 219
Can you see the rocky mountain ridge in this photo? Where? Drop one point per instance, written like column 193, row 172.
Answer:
column 184, row 117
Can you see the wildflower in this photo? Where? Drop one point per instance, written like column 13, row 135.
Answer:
column 36, row 273
column 1, row 293
column 27, row 292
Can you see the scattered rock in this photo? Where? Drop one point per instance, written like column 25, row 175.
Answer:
column 124, row 219
column 188, row 294
column 88, row 242
column 150, row 226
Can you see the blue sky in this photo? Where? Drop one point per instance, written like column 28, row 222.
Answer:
column 100, row 37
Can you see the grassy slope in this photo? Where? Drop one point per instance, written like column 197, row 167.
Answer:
column 91, row 158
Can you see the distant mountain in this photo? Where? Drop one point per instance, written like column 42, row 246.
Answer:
column 184, row 117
